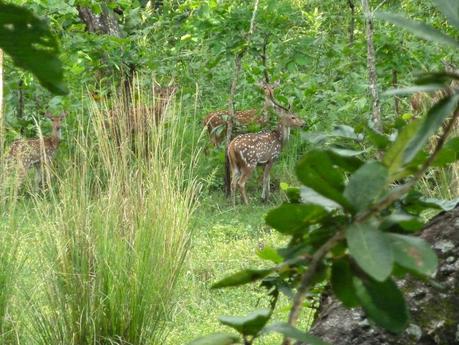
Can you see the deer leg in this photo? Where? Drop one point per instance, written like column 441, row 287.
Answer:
column 234, row 181
column 245, row 174
column 266, row 180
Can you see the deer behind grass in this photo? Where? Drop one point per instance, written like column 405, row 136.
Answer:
column 134, row 120
column 34, row 153
column 247, row 151
column 216, row 122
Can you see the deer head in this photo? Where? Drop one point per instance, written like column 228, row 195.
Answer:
column 56, row 124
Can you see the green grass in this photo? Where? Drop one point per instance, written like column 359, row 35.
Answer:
column 225, row 240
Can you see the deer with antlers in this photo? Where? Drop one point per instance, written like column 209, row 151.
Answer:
column 247, row 151
column 216, row 122
column 35, row 153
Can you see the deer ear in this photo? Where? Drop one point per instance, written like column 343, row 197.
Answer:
column 63, row 114
column 49, row 115
column 276, row 84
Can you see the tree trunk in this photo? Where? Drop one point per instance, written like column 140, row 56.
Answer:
column 103, row 23
column 434, row 308
column 352, row 21
column 371, row 60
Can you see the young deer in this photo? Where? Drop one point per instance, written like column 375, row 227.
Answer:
column 247, row 151
column 218, row 119
column 25, row 154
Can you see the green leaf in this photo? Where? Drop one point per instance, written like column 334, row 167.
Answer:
column 345, row 131
column 310, row 196
column 448, row 154
column 292, row 218
column 317, row 171
column 442, row 77
column 366, row 184
column 346, row 159
column 241, row 278
column 383, row 303
column 292, row 332
column 393, row 158
column 342, row 284
column 450, row 9
column 216, row 339
column 404, row 220
column 31, row 45
column 416, row 202
column 271, row 254
column 370, row 249
column 251, row 324
column 435, row 117
column 413, row 89
column 380, row 140
column 421, row 30
column 413, row 253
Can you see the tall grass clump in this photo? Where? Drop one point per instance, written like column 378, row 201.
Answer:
column 115, row 229
column 10, row 238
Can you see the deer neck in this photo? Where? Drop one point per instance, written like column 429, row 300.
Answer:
column 55, row 137
column 284, row 133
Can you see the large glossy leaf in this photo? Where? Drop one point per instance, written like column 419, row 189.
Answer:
column 442, row 77
column 292, row 218
column 413, row 89
column 393, row 158
column 310, row 196
column 342, row 283
column 31, row 45
column 383, row 303
column 450, row 9
column 370, row 249
column 413, row 253
column 435, row 117
column 241, row 278
column 216, row 339
column 271, row 254
column 403, row 220
column 294, row 333
column 251, row 324
column 419, row 29
column 366, row 184
column 416, row 202
column 448, row 154
column 317, row 171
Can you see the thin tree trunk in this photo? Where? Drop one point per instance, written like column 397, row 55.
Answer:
column 352, row 22
column 371, row 61
column 20, row 110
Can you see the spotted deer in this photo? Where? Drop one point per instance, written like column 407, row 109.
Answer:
column 247, row 151
column 216, row 122
column 35, row 153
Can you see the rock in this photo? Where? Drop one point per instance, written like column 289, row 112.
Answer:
column 434, row 306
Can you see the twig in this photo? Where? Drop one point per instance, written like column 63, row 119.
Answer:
column 306, row 279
